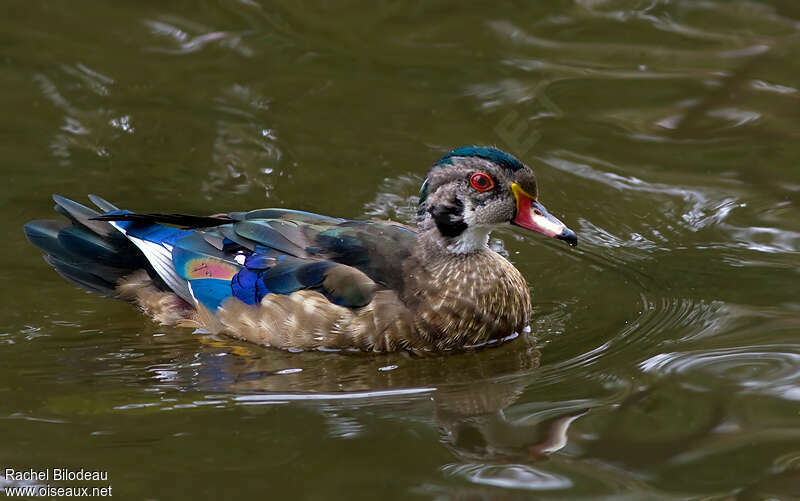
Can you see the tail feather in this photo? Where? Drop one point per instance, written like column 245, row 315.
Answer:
column 91, row 254
column 84, row 216
column 102, row 204
column 81, row 277
column 111, row 252
column 43, row 233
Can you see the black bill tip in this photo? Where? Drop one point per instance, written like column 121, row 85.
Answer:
column 568, row 236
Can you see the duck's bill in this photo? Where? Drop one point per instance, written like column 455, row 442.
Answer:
column 532, row 215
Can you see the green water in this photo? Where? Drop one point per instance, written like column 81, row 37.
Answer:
column 665, row 358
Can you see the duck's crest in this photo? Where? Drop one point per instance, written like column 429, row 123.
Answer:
column 489, row 153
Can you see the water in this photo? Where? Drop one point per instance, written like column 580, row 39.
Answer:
column 664, row 361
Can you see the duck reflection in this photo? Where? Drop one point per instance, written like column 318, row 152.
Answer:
column 469, row 391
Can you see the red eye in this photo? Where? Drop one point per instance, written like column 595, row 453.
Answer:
column 481, row 181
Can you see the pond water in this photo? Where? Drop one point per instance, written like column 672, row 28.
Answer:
column 664, row 361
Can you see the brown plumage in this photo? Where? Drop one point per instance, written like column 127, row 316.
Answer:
column 450, row 303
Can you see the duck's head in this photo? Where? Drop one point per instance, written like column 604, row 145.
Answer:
column 472, row 189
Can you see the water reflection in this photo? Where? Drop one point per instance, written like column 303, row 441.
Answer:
column 469, row 392
column 224, row 366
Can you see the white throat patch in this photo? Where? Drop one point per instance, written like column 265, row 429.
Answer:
column 472, row 239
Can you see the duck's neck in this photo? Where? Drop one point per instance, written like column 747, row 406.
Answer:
column 471, row 240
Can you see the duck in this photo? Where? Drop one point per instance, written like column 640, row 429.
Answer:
column 297, row 281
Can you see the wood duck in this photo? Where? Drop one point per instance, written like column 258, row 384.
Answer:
column 296, row 280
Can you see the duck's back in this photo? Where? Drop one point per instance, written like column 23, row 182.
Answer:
column 301, row 281
column 280, row 277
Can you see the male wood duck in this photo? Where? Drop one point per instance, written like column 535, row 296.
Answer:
column 296, row 280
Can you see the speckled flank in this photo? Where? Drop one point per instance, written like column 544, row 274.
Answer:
column 165, row 308
column 307, row 320
column 448, row 303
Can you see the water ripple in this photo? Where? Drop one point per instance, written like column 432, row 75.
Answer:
column 681, row 207
column 771, row 87
column 704, row 206
column 765, row 239
column 773, row 369
column 515, row 476
column 178, row 31
column 660, row 318
column 397, row 199
column 245, row 149
column 91, row 127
